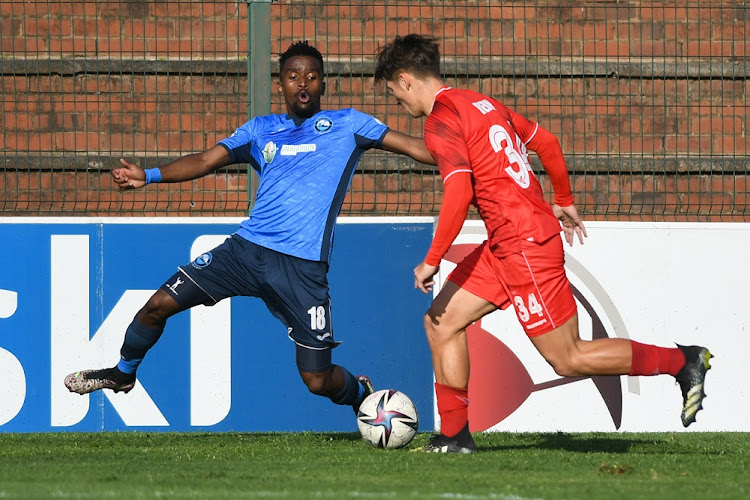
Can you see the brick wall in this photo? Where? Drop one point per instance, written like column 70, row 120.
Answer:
column 649, row 99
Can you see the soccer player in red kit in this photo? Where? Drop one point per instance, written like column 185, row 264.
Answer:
column 481, row 150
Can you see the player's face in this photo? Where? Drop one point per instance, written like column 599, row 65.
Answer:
column 401, row 92
column 301, row 84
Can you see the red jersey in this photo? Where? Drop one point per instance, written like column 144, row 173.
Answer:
column 472, row 133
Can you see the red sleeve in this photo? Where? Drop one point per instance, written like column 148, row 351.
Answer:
column 550, row 153
column 524, row 127
column 547, row 147
column 457, row 196
column 444, row 138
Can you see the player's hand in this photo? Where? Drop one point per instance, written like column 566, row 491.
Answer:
column 423, row 274
column 571, row 223
column 129, row 176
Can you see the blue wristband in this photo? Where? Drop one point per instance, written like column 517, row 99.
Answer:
column 152, row 175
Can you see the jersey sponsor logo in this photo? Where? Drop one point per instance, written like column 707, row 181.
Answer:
column 323, row 125
column 202, row 260
column 293, row 149
column 484, row 106
column 269, row 152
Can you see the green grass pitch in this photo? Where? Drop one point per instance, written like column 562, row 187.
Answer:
column 340, row 465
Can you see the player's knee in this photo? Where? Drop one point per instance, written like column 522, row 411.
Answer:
column 565, row 370
column 431, row 328
column 428, row 322
column 316, row 383
column 437, row 332
column 570, row 365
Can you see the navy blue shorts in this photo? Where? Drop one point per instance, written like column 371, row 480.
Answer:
column 294, row 290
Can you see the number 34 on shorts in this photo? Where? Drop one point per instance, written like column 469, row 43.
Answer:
column 525, row 310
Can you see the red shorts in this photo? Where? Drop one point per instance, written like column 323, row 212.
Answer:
column 532, row 280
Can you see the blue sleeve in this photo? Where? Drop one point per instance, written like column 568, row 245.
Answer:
column 368, row 131
column 240, row 144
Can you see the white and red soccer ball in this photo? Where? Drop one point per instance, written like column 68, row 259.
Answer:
column 388, row 419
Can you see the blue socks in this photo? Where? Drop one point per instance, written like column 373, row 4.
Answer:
column 352, row 393
column 360, row 394
column 138, row 340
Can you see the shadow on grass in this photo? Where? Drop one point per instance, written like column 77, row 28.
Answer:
column 575, row 443
column 344, row 436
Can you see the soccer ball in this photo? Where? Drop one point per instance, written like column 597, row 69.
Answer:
column 387, row 419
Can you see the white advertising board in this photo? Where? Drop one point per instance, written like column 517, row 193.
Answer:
column 656, row 283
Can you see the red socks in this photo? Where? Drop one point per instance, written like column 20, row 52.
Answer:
column 453, row 407
column 653, row 360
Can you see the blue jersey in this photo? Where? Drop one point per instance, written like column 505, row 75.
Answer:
column 305, row 168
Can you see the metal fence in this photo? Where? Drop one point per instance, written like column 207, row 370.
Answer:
column 649, row 99
column 85, row 83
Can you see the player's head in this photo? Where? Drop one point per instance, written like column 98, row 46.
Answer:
column 301, row 79
column 417, row 54
column 409, row 66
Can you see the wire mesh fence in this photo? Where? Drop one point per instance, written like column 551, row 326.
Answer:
column 86, row 83
column 648, row 98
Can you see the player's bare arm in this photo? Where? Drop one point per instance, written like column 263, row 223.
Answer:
column 396, row 142
column 192, row 166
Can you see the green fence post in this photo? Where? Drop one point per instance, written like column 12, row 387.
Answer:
column 258, row 71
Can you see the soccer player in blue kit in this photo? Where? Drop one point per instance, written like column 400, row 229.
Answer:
column 305, row 159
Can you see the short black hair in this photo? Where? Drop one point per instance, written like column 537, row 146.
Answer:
column 301, row 48
column 414, row 53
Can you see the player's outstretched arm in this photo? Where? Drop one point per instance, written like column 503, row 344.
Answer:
column 414, row 147
column 192, row 166
column 571, row 223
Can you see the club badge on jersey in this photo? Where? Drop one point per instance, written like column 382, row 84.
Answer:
column 269, row 152
column 323, row 125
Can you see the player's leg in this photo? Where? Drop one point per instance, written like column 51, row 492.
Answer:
column 571, row 356
column 303, row 304
column 470, row 292
column 546, row 309
column 206, row 280
column 445, row 325
column 323, row 378
column 140, row 336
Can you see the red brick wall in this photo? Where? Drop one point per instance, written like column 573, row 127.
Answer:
column 649, row 99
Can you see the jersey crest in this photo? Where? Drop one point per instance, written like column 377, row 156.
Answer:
column 269, row 152
column 323, row 125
